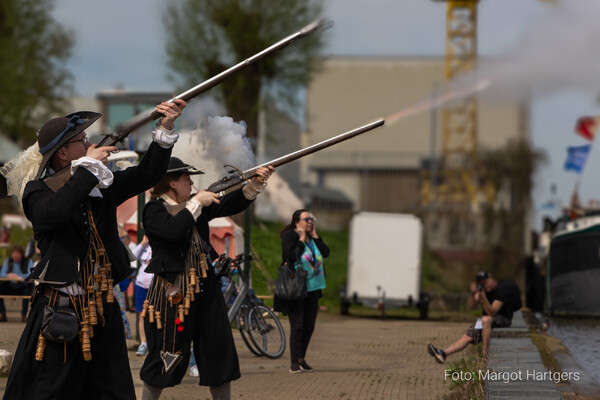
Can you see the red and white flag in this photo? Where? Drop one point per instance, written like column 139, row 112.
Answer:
column 587, row 127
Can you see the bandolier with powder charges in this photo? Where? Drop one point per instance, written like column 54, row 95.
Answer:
column 96, row 284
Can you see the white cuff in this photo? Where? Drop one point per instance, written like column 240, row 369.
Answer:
column 252, row 189
column 96, row 167
column 164, row 137
column 194, row 207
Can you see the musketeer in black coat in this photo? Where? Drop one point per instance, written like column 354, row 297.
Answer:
column 184, row 302
column 81, row 259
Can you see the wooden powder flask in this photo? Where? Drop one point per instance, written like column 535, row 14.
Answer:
column 151, row 313
column 180, row 311
column 144, row 310
column 92, row 312
column 110, row 295
column 41, row 347
column 103, row 280
column 203, row 265
column 86, row 347
column 158, row 320
column 87, row 321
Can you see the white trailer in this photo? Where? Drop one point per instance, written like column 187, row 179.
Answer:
column 384, row 262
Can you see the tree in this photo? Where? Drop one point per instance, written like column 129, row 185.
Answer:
column 511, row 169
column 208, row 36
column 34, row 83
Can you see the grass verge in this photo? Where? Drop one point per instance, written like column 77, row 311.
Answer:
column 467, row 384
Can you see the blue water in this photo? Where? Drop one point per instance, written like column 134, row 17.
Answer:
column 582, row 338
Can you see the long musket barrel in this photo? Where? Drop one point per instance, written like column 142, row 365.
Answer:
column 151, row 114
column 234, row 180
column 57, row 180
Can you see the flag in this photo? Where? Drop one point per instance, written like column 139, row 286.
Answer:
column 576, row 157
column 586, row 127
column 549, row 205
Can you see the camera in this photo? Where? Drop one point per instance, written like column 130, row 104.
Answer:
column 480, row 287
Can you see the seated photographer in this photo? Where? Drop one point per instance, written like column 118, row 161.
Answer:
column 499, row 299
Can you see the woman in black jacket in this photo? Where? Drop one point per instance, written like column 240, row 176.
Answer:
column 302, row 247
column 75, row 227
column 184, row 302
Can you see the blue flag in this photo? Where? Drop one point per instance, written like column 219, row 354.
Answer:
column 576, row 157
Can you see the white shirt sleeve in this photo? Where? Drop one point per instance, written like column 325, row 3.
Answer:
column 96, row 167
column 252, row 189
column 194, row 207
column 164, row 137
column 139, row 250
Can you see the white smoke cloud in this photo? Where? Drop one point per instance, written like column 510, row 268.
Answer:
column 557, row 52
column 218, row 142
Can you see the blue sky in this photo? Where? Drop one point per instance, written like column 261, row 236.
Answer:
column 547, row 43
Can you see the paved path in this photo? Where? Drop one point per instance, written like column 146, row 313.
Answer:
column 354, row 358
column 515, row 367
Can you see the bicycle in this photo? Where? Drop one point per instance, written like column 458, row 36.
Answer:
column 259, row 327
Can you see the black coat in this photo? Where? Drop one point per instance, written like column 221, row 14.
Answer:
column 60, row 221
column 291, row 250
column 169, row 235
column 207, row 324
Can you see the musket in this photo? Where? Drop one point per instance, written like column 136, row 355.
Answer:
column 238, row 177
column 151, row 114
column 57, row 180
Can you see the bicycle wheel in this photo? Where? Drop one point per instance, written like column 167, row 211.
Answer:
column 240, row 320
column 265, row 331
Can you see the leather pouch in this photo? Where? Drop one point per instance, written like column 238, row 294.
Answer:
column 59, row 324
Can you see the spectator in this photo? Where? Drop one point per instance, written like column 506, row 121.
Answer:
column 5, row 235
column 499, row 300
column 17, row 268
column 143, row 252
column 125, row 283
column 303, row 247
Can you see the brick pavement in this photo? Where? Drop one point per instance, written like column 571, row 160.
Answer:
column 354, row 358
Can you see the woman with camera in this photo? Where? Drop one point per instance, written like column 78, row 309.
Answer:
column 302, row 247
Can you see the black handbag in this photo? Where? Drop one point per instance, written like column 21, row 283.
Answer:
column 291, row 283
column 59, row 325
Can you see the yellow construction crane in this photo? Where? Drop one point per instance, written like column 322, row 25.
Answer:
column 459, row 176
column 458, row 170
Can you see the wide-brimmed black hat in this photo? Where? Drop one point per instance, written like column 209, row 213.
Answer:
column 176, row 166
column 56, row 132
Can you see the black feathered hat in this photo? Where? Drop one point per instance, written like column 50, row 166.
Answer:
column 56, row 132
